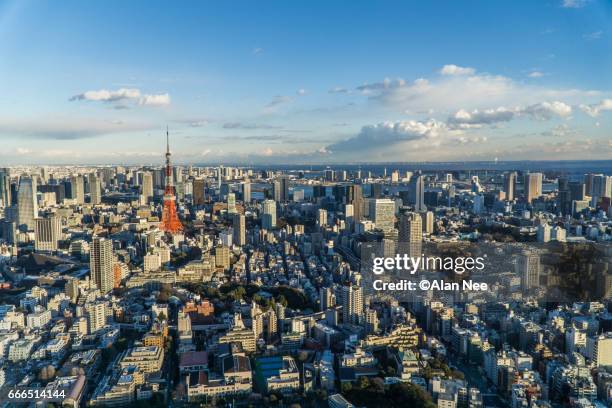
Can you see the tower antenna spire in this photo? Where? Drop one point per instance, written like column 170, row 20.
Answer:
column 167, row 140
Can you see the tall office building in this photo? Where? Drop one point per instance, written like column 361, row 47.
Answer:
column 239, row 229
column 601, row 186
column 327, row 298
column 95, row 190
column 528, row 268
column 352, row 303
column 510, row 185
column 246, row 191
column 410, row 234
column 268, row 219
column 199, row 192
column 27, row 204
column 533, row 186
column 427, row 219
column 47, row 234
column 77, row 188
column 382, row 212
column 231, row 203
column 321, row 218
column 283, row 189
column 358, row 203
column 418, row 193
column 147, row 185
column 101, row 263
column 5, row 188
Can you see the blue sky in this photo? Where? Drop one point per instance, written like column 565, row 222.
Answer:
column 308, row 81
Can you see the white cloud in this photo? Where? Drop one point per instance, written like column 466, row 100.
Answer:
column 446, row 94
column 258, row 51
column 155, row 100
column 452, row 69
column 546, row 110
column 595, row 109
column 278, row 101
column 301, row 91
column 475, row 119
column 123, row 94
column 562, row 130
column 535, row 74
column 389, row 133
column 338, row 89
column 595, row 35
column 574, row 3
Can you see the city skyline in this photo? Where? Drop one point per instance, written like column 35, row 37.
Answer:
column 280, row 83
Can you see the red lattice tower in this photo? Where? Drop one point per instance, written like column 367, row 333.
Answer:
column 170, row 221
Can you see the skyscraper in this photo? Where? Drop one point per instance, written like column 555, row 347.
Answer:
column 101, row 263
column 268, row 219
column 427, row 219
column 246, row 191
column 601, row 186
column 77, row 187
column 239, row 229
column 321, row 218
column 231, row 203
column 47, row 234
column 383, row 213
column 27, row 204
column 5, row 188
column 352, row 303
column 147, row 186
column 529, row 270
column 95, row 190
column 358, row 203
column 410, row 234
column 533, row 186
column 283, row 186
column 418, row 191
column 199, row 192
column 510, row 185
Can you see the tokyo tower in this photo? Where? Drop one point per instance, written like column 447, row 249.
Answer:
column 170, row 221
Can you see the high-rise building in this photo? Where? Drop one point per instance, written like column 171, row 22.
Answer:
column 101, row 263
column 327, row 298
column 283, row 189
column 352, row 303
column 410, row 234
column 601, row 186
column 47, row 233
column 382, row 212
column 528, row 268
column 268, row 219
column 199, row 192
column 239, row 229
column 510, row 185
column 321, row 218
column 231, row 203
column 533, row 186
column 246, row 191
column 77, row 188
column 95, row 190
column 27, row 204
column 5, row 188
column 147, row 186
column 358, row 203
column 427, row 219
column 417, row 191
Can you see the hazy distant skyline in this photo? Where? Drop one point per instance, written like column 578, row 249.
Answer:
column 310, row 82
